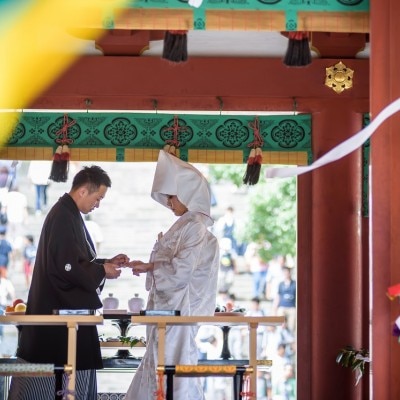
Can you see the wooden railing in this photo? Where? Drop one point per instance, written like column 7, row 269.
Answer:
column 72, row 322
column 226, row 320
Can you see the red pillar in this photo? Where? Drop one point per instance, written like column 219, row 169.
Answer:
column 385, row 210
column 330, row 285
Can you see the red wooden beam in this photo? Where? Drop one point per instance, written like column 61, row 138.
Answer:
column 262, row 84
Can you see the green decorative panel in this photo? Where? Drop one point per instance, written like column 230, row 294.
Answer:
column 289, row 7
column 365, row 177
column 153, row 130
column 265, row 5
column 275, row 5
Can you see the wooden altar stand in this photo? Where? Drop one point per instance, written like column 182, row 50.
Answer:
column 212, row 370
column 72, row 322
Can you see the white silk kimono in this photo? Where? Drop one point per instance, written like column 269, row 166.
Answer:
column 184, row 278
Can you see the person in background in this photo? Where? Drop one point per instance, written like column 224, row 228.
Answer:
column 5, row 253
column 255, row 310
column 67, row 275
column 258, row 269
column 16, row 206
column 274, row 276
column 217, row 387
column 181, row 274
column 262, row 386
column 7, row 296
column 279, row 361
column 3, row 217
column 8, row 174
column 38, row 173
column 285, row 388
column 285, row 301
column 225, row 227
column 29, row 255
column 227, row 265
column 229, row 227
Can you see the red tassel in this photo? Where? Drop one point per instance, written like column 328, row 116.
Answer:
column 257, row 166
column 249, row 169
column 298, row 53
column 160, row 383
column 65, row 155
column 246, row 393
column 60, row 165
column 175, row 46
column 393, row 291
column 57, row 154
column 254, row 161
column 253, row 169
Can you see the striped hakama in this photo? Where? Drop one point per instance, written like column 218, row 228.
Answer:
column 43, row 388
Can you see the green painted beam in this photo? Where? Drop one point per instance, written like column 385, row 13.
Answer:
column 365, row 170
column 290, row 7
column 152, row 130
column 264, row 5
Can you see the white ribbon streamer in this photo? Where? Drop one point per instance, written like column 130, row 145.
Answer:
column 397, row 322
column 195, row 3
column 343, row 149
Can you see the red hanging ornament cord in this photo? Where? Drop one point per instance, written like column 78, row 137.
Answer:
column 254, row 162
column 246, row 393
column 60, row 165
column 172, row 144
column 160, row 385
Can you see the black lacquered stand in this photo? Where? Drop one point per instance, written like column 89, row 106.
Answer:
column 123, row 323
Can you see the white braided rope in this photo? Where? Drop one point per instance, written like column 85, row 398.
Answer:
column 26, row 369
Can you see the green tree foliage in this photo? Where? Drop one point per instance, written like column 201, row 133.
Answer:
column 272, row 217
column 271, row 214
column 227, row 173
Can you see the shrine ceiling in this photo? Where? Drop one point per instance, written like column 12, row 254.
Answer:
column 235, row 51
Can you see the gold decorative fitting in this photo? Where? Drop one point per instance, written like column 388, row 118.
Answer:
column 339, row 77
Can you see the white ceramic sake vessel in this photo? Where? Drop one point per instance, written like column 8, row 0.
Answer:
column 110, row 302
column 135, row 304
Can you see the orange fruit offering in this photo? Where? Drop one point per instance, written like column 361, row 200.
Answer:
column 20, row 307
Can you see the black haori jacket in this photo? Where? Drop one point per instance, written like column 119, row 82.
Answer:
column 66, row 276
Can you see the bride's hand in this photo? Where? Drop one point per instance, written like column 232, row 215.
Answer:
column 120, row 259
column 139, row 267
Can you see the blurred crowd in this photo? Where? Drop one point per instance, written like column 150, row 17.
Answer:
column 17, row 244
column 273, row 293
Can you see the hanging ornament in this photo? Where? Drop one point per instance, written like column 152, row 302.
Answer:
column 298, row 53
column 172, row 144
column 246, row 394
column 396, row 328
column 175, row 46
column 254, row 162
column 60, row 165
column 393, row 291
column 160, row 384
